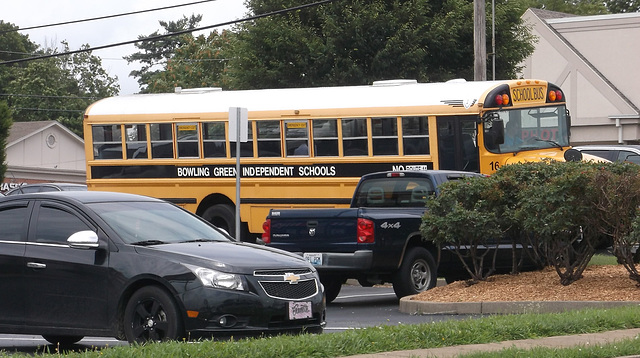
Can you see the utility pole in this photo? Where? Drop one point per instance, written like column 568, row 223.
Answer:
column 493, row 39
column 479, row 41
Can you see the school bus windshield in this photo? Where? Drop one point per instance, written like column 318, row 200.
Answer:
column 530, row 129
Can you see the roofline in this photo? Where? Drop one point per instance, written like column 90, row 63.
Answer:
column 53, row 123
column 547, row 23
column 594, row 17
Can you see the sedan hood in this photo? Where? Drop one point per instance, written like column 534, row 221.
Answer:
column 233, row 257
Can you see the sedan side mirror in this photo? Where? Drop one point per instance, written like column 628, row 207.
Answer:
column 86, row 239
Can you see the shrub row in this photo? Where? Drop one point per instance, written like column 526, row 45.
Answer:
column 560, row 213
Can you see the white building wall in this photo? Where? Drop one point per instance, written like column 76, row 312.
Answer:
column 36, row 151
column 589, row 58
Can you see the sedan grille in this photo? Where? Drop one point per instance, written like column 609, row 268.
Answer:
column 281, row 272
column 290, row 291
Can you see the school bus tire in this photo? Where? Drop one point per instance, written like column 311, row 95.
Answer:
column 417, row 273
column 223, row 216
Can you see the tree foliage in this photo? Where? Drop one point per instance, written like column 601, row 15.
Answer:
column 362, row 41
column 581, row 7
column 5, row 125
column 158, row 52
column 198, row 62
column 622, row 6
column 59, row 88
column 14, row 46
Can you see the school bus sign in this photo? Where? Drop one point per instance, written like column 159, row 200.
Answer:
column 528, row 94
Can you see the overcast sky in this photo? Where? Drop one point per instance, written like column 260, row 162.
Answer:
column 27, row 13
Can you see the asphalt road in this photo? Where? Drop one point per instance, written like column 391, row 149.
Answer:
column 360, row 307
column 356, row 307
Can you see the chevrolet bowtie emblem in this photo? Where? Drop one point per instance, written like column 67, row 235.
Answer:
column 292, row 278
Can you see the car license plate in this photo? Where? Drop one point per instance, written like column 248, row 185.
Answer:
column 300, row 310
column 314, row 258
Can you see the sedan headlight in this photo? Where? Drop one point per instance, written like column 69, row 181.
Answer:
column 217, row 279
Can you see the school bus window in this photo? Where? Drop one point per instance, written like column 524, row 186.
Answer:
column 187, row 134
column 384, row 136
column 136, row 141
column 415, row 135
column 213, row 140
column 246, row 148
column 269, row 139
column 161, row 140
column 354, row 137
column 296, row 137
column 107, row 141
column 325, row 137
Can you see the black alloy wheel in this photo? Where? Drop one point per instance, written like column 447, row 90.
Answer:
column 151, row 315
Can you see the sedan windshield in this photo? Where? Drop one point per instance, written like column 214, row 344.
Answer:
column 154, row 223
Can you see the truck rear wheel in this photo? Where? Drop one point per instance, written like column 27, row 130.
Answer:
column 332, row 286
column 417, row 273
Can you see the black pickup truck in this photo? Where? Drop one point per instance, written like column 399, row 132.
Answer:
column 377, row 239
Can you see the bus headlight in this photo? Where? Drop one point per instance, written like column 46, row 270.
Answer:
column 218, row 279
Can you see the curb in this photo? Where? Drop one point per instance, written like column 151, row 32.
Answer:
column 407, row 305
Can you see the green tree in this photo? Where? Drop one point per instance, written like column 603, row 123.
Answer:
column 5, row 125
column 621, row 6
column 60, row 88
column 362, row 41
column 581, row 7
column 14, row 46
column 158, row 52
column 198, row 62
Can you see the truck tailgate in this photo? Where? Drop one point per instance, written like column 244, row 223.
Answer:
column 314, row 230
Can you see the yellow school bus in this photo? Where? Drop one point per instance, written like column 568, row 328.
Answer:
column 308, row 147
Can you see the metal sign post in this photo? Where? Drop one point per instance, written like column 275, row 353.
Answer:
column 238, row 124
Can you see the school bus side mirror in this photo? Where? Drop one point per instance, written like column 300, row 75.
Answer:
column 495, row 135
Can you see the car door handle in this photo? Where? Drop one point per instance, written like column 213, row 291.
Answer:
column 36, row 265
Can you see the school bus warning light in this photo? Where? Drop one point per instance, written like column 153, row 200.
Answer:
column 555, row 95
column 502, row 99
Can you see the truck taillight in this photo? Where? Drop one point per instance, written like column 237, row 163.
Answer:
column 365, row 231
column 266, row 228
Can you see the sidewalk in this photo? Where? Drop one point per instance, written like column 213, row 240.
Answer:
column 587, row 339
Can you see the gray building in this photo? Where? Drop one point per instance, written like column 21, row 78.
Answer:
column 596, row 61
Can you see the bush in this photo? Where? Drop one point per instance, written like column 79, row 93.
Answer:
column 561, row 212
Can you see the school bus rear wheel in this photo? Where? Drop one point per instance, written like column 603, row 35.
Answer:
column 222, row 216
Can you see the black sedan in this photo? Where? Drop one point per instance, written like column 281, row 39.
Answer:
column 83, row 263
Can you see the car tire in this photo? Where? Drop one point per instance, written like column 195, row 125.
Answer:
column 222, row 216
column 417, row 273
column 62, row 340
column 332, row 287
column 151, row 315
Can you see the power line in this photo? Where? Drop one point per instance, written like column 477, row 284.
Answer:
column 159, row 37
column 48, row 109
column 43, row 96
column 102, row 17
